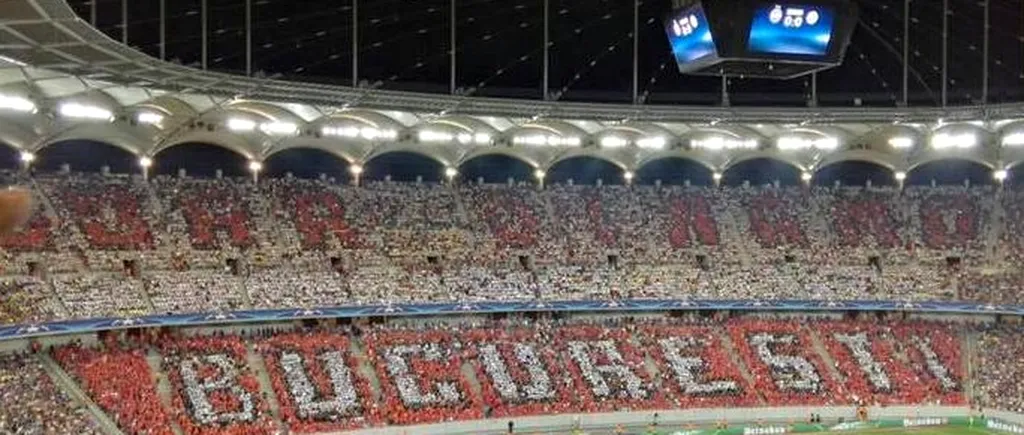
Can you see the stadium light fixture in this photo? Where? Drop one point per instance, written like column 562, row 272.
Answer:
column 464, row 138
column 145, row 162
column 718, row 143
column 278, row 128
column 790, row 143
column 435, row 136
column 255, row 166
column 901, row 143
column 945, row 141
column 806, row 177
column 482, row 138
column 355, row 169
column 18, row 104
column 652, row 143
column 541, row 140
column 450, row 172
column 1000, row 175
column 27, row 157
column 628, row 175
column 82, row 111
column 717, row 176
column 539, row 174
column 900, row 176
column 613, row 142
column 151, row 118
column 1013, row 140
column 241, row 125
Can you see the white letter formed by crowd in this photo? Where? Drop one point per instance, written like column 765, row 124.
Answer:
column 687, row 368
column 442, row 393
column 198, row 391
column 860, row 348
column 309, row 401
column 790, row 372
column 596, row 374
column 539, row 387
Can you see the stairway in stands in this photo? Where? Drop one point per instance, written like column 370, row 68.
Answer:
column 819, row 347
column 365, row 369
column 71, row 388
column 259, row 367
column 730, row 349
column 163, row 385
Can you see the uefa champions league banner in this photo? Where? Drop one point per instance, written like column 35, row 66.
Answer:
column 280, row 315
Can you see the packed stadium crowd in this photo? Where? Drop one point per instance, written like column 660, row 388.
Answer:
column 318, row 379
column 115, row 246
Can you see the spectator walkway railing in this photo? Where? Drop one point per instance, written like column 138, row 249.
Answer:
column 10, row 332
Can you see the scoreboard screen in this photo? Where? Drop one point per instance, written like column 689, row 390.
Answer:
column 689, row 34
column 789, row 29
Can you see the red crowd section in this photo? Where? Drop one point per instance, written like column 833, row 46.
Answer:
column 331, row 380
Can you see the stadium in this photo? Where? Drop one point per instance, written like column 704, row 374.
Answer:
column 535, row 216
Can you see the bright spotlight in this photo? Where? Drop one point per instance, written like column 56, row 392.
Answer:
column 901, row 143
column 18, row 104
column 239, row 124
column 1013, row 140
column 806, row 176
column 81, row 111
column 613, row 142
column 145, row 162
column 355, row 169
column 27, row 157
column 628, row 175
column 255, row 166
column 1000, row 175
column 151, row 118
column 900, row 176
column 278, row 128
column 450, row 172
column 717, row 176
column 539, row 174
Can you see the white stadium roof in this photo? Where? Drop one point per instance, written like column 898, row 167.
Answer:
column 60, row 79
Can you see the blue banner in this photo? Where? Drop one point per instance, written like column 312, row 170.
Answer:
column 278, row 315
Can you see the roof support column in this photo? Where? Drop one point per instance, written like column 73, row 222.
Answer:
column 945, row 52
column 725, row 90
column 984, row 54
column 248, row 37
column 163, row 29
column 906, row 52
column 636, row 50
column 355, row 43
column 203, row 16
column 547, row 37
column 813, row 102
column 453, row 47
column 124, row 21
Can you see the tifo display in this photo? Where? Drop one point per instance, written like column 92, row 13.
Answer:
column 110, row 247
column 334, row 379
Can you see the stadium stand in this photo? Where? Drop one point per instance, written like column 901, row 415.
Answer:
column 187, row 245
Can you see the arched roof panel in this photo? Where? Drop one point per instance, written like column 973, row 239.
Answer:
column 431, row 153
column 334, row 151
column 887, row 161
column 116, row 135
column 586, row 152
column 501, row 151
column 674, row 154
column 235, row 143
column 754, row 155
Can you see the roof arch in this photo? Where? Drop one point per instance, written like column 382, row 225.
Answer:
column 269, row 111
column 674, row 154
column 15, row 135
column 591, row 152
column 491, row 151
column 761, row 154
column 405, row 148
column 551, row 126
column 964, row 157
column 887, row 161
column 115, row 134
column 232, row 142
column 311, row 145
column 370, row 118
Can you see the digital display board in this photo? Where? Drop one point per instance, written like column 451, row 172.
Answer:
column 690, row 35
column 790, row 29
